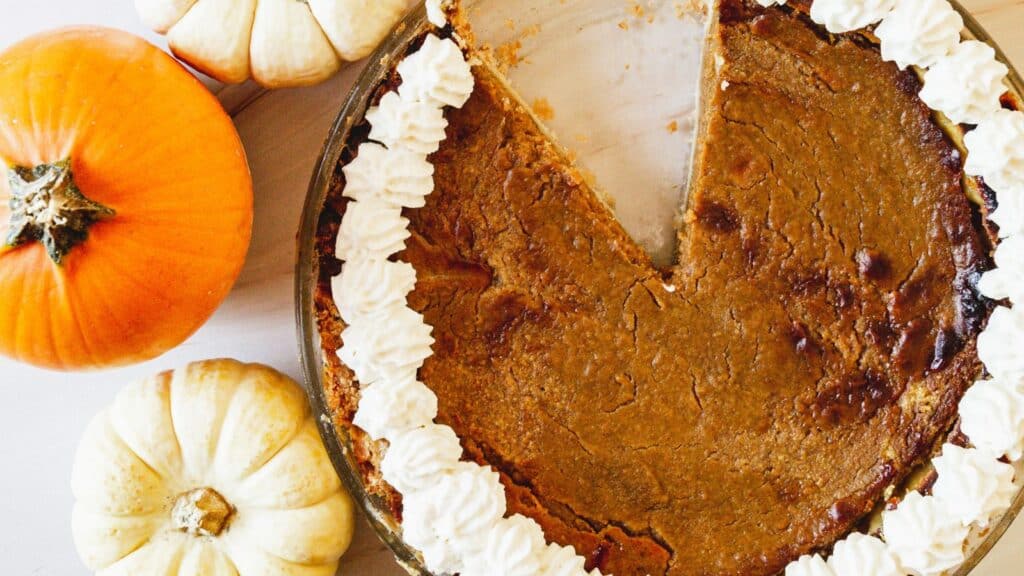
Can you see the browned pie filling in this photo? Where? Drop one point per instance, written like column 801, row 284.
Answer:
column 752, row 402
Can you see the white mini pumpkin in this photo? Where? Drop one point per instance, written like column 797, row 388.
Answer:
column 213, row 470
column 279, row 43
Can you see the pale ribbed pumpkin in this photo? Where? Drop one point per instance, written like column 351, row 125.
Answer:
column 278, row 43
column 213, row 470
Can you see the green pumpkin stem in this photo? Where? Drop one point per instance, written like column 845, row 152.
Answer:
column 47, row 206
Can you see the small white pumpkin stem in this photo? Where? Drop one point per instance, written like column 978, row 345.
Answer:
column 202, row 512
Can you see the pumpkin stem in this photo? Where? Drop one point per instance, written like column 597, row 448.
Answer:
column 202, row 512
column 47, row 206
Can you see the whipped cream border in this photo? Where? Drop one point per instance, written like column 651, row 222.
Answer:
column 455, row 510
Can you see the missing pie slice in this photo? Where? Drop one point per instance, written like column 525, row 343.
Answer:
column 754, row 401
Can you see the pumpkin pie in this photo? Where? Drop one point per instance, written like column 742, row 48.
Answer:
column 752, row 402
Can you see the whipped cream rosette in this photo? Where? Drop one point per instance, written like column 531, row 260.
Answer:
column 966, row 84
column 839, row 16
column 972, row 485
column 919, row 32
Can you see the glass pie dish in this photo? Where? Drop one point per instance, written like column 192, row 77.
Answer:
column 645, row 85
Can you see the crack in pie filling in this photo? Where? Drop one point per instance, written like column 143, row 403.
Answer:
column 734, row 412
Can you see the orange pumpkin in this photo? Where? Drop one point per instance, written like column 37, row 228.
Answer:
column 125, row 201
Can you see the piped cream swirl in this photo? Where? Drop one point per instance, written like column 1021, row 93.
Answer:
column 809, row 566
column 995, row 150
column 420, row 515
column 369, row 286
column 418, row 458
column 562, row 561
column 973, row 485
column 387, row 345
column 919, row 32
column 860, row 555
column 397, row 177
column 966, row 84
column 453, row 519
column 840, row 16
column 992, row 416
column 924, row 535
column 371, row 231
column 437, row 74
column 514, row 547
column 999, row 343
column 411, row 125
column 387, row 409
column 1009, row 216
column 1006, row 280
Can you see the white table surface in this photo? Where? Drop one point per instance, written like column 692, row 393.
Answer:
column 43, row 414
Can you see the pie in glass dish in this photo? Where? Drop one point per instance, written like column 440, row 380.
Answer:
column 531, row 394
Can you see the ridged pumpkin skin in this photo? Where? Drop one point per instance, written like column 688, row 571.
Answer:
column 147, row 140
column 216, row 469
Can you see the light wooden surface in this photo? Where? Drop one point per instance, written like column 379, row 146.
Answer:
column 43, row 414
